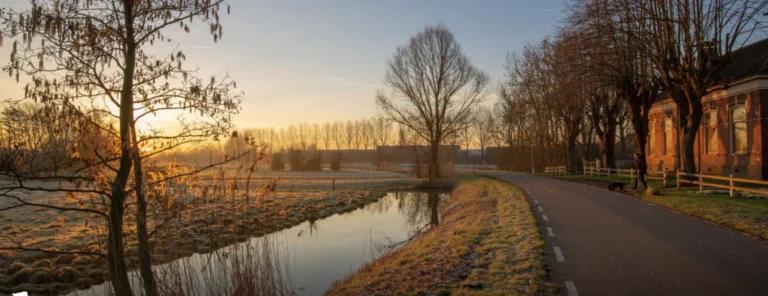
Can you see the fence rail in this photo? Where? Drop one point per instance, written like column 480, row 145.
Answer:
column 556, row 170
column 732, row 187
column 662, row 176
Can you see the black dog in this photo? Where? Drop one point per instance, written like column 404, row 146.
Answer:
column 616, row 185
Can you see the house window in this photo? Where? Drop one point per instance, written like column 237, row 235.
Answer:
column 669, row 139
column 710, row 132
column 739, row 129
column 651, row 138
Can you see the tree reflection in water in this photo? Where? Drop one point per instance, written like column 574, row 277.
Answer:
column 422, row 210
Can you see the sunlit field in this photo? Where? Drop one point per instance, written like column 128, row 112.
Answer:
column 391, row 147
column 212, row 213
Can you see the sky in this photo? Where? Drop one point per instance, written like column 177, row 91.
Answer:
column 312, row 61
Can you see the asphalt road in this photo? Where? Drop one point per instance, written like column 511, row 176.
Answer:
column 605, row 243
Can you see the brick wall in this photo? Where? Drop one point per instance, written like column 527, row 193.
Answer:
column 722, row 161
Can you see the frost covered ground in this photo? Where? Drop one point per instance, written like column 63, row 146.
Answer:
column 204, row 222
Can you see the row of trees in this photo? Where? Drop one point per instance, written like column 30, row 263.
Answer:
column 611, row 60
column 362, row 134
column 482, row 131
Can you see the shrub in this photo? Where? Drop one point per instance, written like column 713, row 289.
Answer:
column 84, row 283
column 336, row 161
column 295, row 159
column 277, row 162
column 43, row 263
column 41, row 277
column 314, row 164
column 68, row 274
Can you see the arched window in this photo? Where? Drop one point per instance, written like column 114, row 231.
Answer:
column 738, row 129
column 651, row 138
column 669, row 138
column 710, row 132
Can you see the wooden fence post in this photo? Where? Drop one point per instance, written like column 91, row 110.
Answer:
column 701, row 182
column 677, row 179
column 333, row 184
column 730, row 187
column 664, row 183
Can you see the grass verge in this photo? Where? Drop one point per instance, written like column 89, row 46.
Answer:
column 748, row 215
column 487, row 244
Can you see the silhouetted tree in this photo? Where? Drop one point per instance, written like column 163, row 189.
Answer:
column 434, row 88
column 87, row 58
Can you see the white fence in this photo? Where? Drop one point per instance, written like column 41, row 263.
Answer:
column 732, row 183
column 627, row 173
column 561, row 170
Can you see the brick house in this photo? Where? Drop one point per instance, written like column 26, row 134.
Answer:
column 731, row 138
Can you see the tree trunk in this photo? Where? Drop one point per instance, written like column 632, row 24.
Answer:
column 639, row 121
column 434, row 165
column 571, row 150
column 574, row 129
column 604, row 124
column 622, row 140
column 482, row 154
column 689, row 130
column 145, row 258
column 608, row 147
column 115, row 251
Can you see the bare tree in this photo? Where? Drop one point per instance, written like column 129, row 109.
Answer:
column 315, row 135
column 303, row 136
column 543, row 103
column 434, row 88
column 611, row 32
column 688, row 41
column 482, row 127
column 327, row 134
column 383, row 130
column 364, row 133
column 95, row 54
column 349, row 134
column 337, row 133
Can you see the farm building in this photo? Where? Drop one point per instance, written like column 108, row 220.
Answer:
column 732, row 138
column 390, row 156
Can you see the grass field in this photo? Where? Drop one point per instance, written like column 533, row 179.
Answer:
column 487, row 244
column 749, row 215
column 206, row 220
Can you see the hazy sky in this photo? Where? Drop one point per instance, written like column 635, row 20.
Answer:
column 320, row 60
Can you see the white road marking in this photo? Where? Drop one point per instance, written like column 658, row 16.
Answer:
column 544, row 217
column 549, row 231
column 541, row 209
column 571, row 288
column 559, row 254
column 536, row 201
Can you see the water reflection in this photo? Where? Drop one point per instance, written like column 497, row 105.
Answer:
column 308, row 258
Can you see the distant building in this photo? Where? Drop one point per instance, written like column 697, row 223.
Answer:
column 448, row 154
column 731, row 138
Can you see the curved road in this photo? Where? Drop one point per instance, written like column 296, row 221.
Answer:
column 605, row 243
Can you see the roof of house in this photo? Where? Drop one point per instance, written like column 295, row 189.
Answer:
column 746, row 61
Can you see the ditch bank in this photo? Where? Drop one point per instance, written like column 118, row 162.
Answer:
column 487, row 243
column 205, row 226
